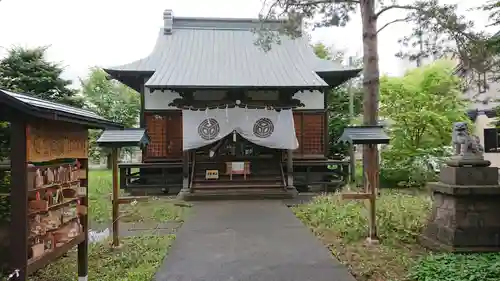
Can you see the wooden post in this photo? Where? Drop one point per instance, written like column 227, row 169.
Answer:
column 370, row 194
column 186, row 189
column 308, row 177
column 123, row 177
column 116, row 212
column 185, row 171
column 371, row 188
column 19, row 199
column 289, row 168
column 83, row 256
column 352, row 164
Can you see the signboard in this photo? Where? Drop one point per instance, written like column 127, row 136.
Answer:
column 212, row 174
column 237, row 167
column 56, row 140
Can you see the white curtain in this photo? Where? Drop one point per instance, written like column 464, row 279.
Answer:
column 267, row 128
column 200, row 128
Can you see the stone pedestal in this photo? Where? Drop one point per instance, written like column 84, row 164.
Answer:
column 466, row 211
column 469, row 176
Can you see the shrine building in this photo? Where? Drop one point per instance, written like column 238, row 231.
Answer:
column 226, row 115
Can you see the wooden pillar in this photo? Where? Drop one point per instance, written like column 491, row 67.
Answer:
column 19, row 200
column 142, row 121
column 123, row 177
column 186, row 189
column 352, row 163
column 83, row 256
column 289, row 168
column 372, row 183
column 185, row 171
column 116, row 211
column 308, row 177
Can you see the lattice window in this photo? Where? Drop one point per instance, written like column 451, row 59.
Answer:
column 174, row 135
column 310, row 131
column 156, row 127
column 313, row 141
column 297, row 120
column 165, row 131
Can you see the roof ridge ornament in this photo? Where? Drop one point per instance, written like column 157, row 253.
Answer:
column 168, row 21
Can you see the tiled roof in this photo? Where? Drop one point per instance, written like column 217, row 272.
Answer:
column 211, row 53
column 72, row 112
column 364, row 135
column 123, row 138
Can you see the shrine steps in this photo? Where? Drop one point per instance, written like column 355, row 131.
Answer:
column 264, row 182
column 243, row 185
column 254, row 187
column 238, row 194
column 271, row 180
column 240, row 179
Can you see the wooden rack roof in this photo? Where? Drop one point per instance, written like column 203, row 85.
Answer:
column 364, row 135
column 54, row 111
column 124, row 138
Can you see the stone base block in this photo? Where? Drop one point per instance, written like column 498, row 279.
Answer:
column 292, row 191
column 435, row 245
column 464, row 219
column 183, row 194
column 461, row 190
column 469, row 175
column 459, row 161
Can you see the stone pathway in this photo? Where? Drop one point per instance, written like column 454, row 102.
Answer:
column 248, row 241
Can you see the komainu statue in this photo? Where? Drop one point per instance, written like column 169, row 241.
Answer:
column 466, row 146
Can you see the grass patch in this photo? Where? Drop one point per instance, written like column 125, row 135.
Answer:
column 137, row 260
column 343, row 226
column 100, row 207
column 457, row 267
column 401, row 217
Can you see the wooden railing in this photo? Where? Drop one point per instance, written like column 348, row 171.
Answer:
column 150, row 175
column 169, row 175
column 329, row 174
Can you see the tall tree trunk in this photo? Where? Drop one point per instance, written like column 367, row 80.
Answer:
column 371, row 94
column 370, row 61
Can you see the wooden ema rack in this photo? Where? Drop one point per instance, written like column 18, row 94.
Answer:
column 56, row 201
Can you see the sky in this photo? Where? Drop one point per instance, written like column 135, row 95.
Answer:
column 86, row 33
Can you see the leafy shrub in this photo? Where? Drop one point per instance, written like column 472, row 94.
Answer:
column 421, row 107
column 457, row 267
column 411, row 168
column 407, row 174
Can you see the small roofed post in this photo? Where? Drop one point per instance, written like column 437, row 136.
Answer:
column 370, row 136
column 115, row 140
